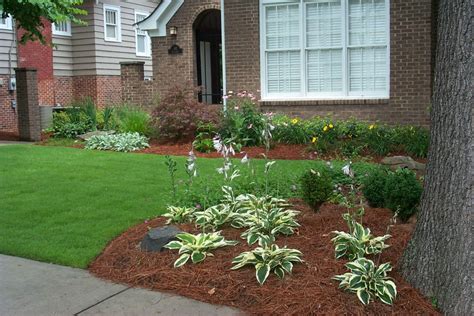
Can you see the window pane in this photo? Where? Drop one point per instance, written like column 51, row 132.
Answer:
column 368, row 69
column 141, row 46
column 111, row 31
column 110, row 17
column 367, row 22
column 324, row 24
column 283, row 27
column 283, row 72
column 324, row 70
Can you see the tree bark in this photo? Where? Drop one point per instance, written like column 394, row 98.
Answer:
column 439, row 259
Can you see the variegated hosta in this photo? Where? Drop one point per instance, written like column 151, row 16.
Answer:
column 265, row 226
column 214, row 217
column 197, row 247
column 269, row 259
column 368, row 281
column 358, row 243
column 179, row 215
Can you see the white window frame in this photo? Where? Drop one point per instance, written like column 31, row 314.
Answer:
column 303, row 94
column 118, row 24
column 62, row 33
column 147, row 52
column 8, row 23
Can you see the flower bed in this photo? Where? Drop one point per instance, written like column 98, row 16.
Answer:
column 309, row 290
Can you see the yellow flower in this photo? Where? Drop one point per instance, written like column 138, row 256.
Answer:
column 294, row 121
column 371, row 127
column 314, row 140
column 325, row 128
column 331, row 126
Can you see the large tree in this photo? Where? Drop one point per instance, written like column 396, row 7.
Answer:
column 29, row 14
column 439, row 259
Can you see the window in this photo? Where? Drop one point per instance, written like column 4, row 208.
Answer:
column 327, row 49
column 62, row 28
column 143, row 41
column 112, row 28
column 5, row 22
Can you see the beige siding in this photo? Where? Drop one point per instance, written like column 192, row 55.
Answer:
column 6, row 40
column 62, row 55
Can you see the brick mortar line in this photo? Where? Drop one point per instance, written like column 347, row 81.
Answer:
column 103, row 300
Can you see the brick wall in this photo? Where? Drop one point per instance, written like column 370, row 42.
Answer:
column 135, row 90
column 411, row 66
column 174, row 70
column 8, row 115
column 104, row 90
column 29, row 126
column 63, row 91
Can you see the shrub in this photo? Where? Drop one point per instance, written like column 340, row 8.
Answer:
column 179, row 114
column 203, row 141
column 316, row 187
column 402, row 193
column 291, row 131
column 74, row 121
column 373, row 187
column 243, row 122
column 133, row 120
column 120, row 142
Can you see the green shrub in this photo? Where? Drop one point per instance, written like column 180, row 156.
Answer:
column 316, row 187
column 290, row 131
column 374, row 186
column 133, row 120
column 70, row 130
column 203, row 141
column 402, row 193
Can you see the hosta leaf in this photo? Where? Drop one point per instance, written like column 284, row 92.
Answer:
column 279, row 272
column 173, row 245
column 363, row 296
column 391, row 288
column 287, row 266
column 188, row 238
column 182, row 260
column 385, row 298
column 197, row 257
column 252, row 239
column 262, row 273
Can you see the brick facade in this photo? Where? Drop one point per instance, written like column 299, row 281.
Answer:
column 29, row 125
column 411, row 66
column 135, row 90
column 104, row 90
column 8, row 115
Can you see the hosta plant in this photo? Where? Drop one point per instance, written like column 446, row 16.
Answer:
column 126, row 142
column 264, row 226
column 368, row 281
column 179, row 215
column 270, row 259
column 358, row 243
column 214, row 217
column 197, row 247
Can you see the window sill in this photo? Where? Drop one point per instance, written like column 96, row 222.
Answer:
column 315, row 102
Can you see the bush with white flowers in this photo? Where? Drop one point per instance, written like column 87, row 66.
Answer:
column 126, row 142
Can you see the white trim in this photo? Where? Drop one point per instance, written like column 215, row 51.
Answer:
column 147, row 52
column 118, row 24
column 304, row 94
column 62, row 33
column 156, row 23
column 224, row 62
column 8, row 25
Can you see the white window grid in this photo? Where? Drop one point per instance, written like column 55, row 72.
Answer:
column 62, row 28
column 6, row 23
column 142, row 35
column 112, row 19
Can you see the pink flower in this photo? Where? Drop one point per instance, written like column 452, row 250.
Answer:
column 225, row 97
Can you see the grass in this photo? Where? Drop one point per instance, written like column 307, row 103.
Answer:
column 63, row 205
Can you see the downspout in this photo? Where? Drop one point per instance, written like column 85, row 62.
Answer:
column 224, row 63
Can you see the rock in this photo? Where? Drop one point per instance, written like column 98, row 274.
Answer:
column 403, row 162
column 87, row 136
column 156, row 238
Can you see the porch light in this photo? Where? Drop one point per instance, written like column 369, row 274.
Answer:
column 173, row 30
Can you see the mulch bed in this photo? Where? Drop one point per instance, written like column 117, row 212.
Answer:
column 309, row 290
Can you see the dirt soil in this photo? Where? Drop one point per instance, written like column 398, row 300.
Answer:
column 308, row 291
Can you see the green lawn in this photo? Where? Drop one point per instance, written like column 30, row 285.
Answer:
column 63, row 205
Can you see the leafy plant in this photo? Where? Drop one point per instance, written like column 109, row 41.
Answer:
column 214, row 216
column 266, row 260
column 373, row 187
column 358, row 243
column 133, row 120
column 402, row 193
column 197, row 247
column 172, row 169
column 179, row 215
column 316, row 187
column 203, row 141
column 118, row 142
column 368, row 281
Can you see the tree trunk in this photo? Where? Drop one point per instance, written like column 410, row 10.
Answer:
column 439, row 259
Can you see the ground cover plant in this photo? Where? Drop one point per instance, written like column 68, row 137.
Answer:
column 125, row 142
column 66, row 204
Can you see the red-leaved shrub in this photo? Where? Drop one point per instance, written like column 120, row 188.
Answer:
column 179, row 113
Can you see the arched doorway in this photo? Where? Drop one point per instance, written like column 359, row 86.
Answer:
column 207, row 28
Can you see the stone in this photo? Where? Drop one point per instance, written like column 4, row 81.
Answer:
column 403, row 162
column 87, row 136
column 157, row 238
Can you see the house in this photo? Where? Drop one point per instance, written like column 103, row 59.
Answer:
column 370, row 59
column 84, row 61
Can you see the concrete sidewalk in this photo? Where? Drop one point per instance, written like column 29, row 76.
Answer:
column 34, row 288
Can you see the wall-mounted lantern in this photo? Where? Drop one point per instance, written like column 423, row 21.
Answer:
column 173, row 31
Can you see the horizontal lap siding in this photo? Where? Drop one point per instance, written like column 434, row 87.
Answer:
column 6, row 39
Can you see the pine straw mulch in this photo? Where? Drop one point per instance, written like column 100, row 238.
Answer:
column 309, row 290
